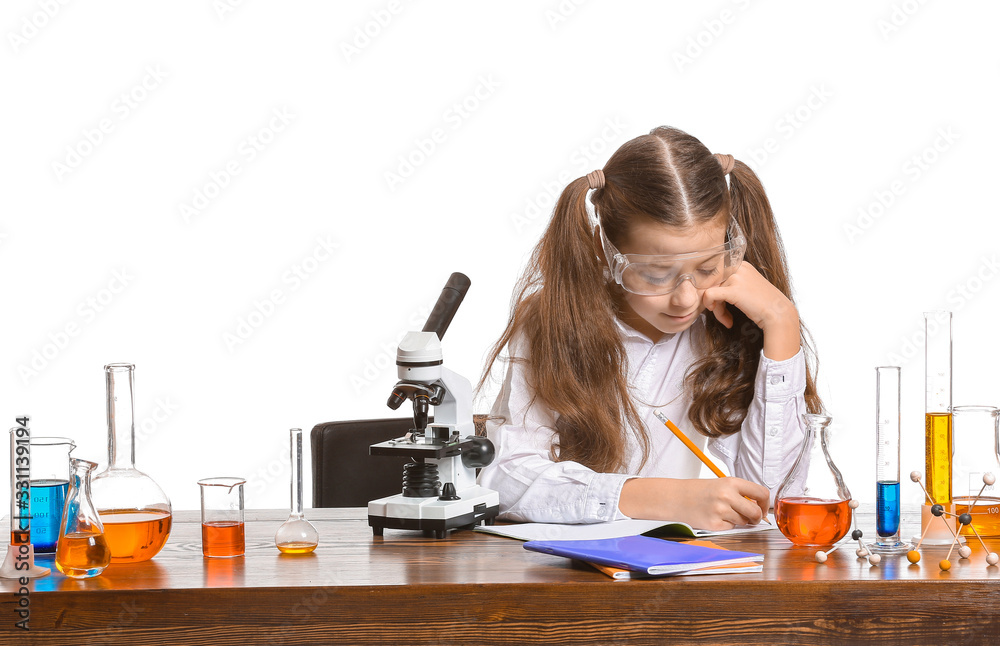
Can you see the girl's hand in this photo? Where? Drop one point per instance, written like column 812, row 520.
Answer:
column 715, row 504
column 763, row 304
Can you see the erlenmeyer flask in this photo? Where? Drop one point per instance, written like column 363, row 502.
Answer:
column 811, row 505
column 134, row 510
column 82, row 551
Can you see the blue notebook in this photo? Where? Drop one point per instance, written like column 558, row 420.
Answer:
column 644, row 554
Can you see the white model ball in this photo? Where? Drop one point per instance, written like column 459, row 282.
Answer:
column 821, row 557
column 915, row 476
column 875, row 559
column 965, row 551
column 992, row 558
column 988, row 479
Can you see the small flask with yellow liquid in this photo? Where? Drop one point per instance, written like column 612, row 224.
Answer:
column 296, row 535
column 82, row 551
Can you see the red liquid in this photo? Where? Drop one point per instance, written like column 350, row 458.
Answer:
column 222, row 539
column 811, row 521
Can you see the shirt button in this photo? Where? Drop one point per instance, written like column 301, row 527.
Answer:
column 772, row 431
column 602, row 512
column 776, row 379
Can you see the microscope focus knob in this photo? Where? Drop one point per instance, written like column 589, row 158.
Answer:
column 481, row 454
column 449, row 492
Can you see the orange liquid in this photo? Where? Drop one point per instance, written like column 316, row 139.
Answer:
column 80, row 555
column 811, row 521
column 222, row 539
column 296, row 547
column 19, row 537
column 985, row 515
column 135, row 535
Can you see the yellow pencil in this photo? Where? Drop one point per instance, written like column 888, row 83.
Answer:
column 694, row 449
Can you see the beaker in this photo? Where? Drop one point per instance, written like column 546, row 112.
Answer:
column 50, row 469
column 812, row 504
column 222, row 529
column 83, row 550
column 974, row 432
column 134, row 510
column 887, row 516
column 296, row 535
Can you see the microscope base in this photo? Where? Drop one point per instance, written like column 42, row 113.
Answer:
column 432, row 516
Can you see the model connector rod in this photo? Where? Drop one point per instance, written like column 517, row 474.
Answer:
column 447, row 304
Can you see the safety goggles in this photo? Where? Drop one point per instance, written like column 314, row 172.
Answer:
column 649, row 275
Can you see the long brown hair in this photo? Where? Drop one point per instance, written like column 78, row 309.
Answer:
column 564, row 307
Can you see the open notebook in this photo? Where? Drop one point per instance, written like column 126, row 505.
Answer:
column 616, row 529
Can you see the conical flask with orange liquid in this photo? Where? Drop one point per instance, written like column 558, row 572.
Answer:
column 811, row 505
column 134, row 510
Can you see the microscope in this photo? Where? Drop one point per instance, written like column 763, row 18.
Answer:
column 440, row 492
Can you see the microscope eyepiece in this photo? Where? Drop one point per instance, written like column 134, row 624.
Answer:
column 447, row 304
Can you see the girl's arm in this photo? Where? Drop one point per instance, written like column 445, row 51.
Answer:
column 533, row 487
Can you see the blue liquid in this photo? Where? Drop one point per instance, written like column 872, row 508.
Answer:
column 887, row 508
column 47, row 498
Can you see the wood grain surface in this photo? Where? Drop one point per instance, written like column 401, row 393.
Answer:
column 472, row 588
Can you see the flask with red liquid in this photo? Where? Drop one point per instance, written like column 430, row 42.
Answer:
column 811, row 505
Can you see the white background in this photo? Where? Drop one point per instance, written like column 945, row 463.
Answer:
column 849, row 94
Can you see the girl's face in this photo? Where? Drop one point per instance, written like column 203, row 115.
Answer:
column 670, row 313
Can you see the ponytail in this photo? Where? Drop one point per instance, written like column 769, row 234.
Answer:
column 722, row 381
column 576, row 360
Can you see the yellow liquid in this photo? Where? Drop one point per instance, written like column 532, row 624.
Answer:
column 80, row 555
column 985, row 515
column 937, row 456
column 296, row 547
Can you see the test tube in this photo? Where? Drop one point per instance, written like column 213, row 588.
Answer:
column 887, row 405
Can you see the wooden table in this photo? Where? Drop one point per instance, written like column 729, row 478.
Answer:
column 472, row 588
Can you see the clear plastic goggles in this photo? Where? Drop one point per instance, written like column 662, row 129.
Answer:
column 649, row 275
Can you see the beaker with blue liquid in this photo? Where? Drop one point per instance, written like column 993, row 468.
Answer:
column 50, row 473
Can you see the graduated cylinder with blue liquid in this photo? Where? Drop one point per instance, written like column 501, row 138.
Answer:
column 50, row 469
column 887, row 516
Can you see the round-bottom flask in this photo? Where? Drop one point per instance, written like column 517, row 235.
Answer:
column 134, row 510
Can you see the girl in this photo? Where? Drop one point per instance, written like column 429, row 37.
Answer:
column 678, row 301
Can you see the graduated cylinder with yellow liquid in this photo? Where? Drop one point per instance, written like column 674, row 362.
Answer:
column 938, row 444
column 135, row 512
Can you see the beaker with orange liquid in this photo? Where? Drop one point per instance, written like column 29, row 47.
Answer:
column 974, row 432
column 223, row 533
column 135, row 512
column 82, row 550
column 811, row 505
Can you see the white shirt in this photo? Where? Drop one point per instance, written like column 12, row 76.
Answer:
column 535, row 488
